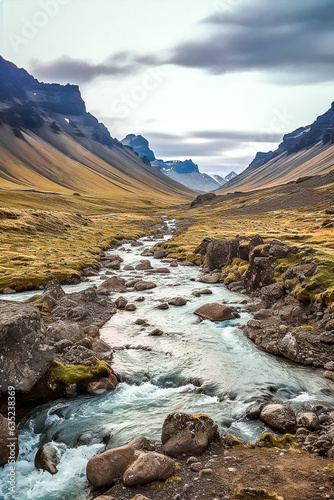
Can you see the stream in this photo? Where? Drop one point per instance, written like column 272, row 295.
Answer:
column 195, row 366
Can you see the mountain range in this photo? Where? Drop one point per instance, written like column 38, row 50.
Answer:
column 307, row 151
column 185, row 172
column 50, row 143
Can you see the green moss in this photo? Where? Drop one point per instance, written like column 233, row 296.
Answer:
column 70, row 374
column 230, row 440
column 173, row 479
column 269, row 440
column 307, row 328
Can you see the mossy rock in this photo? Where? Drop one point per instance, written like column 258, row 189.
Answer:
column 231, row 441
column 254, row 494
column 74, row 374
column 285, row 442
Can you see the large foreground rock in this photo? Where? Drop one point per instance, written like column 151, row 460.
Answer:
column 24, row 358
column 215, row 312
column 103, row 469
column 149, row 467
column 189, row 434
column 8, row 436
column 279, row 417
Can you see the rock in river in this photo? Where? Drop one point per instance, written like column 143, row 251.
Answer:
column 144, row 285
column 215, row 312
column 177, row 301
column 279, row 417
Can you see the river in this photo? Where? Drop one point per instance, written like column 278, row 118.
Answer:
column 195, row 366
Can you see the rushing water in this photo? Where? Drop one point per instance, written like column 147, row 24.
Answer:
column 230, row 371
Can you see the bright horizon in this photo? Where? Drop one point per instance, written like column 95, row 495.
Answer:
column 208, row 81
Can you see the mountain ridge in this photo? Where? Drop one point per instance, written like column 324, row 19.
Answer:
column 50, row 142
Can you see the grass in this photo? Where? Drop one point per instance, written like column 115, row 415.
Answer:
column 301, row 227
column 40, row 245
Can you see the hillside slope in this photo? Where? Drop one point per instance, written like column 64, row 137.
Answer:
column 307, row 151
column 48, row 142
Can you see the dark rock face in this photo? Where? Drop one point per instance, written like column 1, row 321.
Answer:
column 219, row 253
column 304, row 137
column 86, row 308
column 26, row 357
column 202, row 199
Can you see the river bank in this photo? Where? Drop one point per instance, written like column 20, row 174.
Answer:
column 189, row 365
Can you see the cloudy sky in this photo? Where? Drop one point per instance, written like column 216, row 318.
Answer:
column 211, row 80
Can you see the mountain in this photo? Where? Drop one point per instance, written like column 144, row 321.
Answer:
column 185, row 172
column 230, row 176
column 307, row 151
column 49, row 142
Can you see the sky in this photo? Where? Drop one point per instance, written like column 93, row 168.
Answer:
column 211, row 80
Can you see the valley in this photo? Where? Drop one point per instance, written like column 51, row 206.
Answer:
column 134, row 305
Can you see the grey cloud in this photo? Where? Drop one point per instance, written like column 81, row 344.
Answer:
column 66, row 69
column 293, row 40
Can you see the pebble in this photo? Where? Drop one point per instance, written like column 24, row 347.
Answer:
column 196, row 467
column 205, row 472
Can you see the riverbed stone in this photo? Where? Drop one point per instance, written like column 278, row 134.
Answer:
column 177, row 301
column 144, row 265
column 104, row 468
column 164, row 305
column 141, row 443
column 309, row 420
column 144, row 285
column 121, row 302
column 215, row 312
column 279, row 417
column 46, row 458
column 149, row 467
column 113, row 284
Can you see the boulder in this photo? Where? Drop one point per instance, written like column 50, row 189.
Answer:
column 215, row 312
column 309, row 420
column 161, row 270
column 189, row 434
column 160, row 254
column 210, row 279
column 53, row 293
column 141, row 443
column 279, row 417
column 47, row 458
column 27, row 358
column 113, row 284
column 149, row 467
column 87, row 307
column 202, row 199
column 60, row 330
column 143, row 265
column 9, row 446
column 177, row 301
column 114, row 264
column 121, row 302
column 104, row 468
column 130, row 307
column 156, row 333
column 163, row 306
column 271, row 294
column 144, row 285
